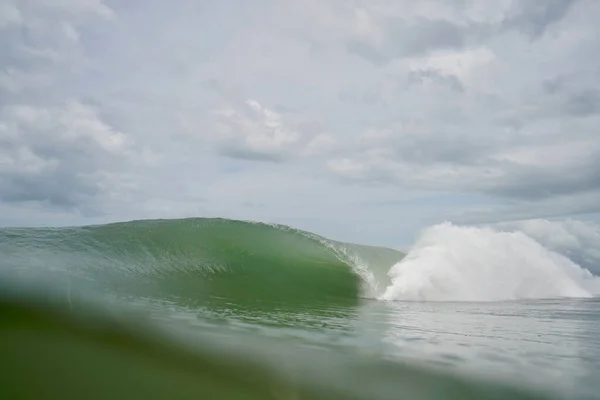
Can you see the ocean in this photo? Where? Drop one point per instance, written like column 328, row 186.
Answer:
column 222, row 309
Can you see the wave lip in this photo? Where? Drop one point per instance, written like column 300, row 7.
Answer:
column 454, row 263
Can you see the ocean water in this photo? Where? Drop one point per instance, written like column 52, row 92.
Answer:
column 221, row 309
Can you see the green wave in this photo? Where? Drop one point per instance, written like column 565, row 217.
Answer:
column 193, row 260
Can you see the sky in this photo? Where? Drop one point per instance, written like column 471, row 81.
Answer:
column 362, row 120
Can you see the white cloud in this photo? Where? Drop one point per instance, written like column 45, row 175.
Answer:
column 252, row 131
column 57, row 155
column 261, row 133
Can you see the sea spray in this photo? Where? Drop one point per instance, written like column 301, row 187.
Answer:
column 456, row 263
column 575, row 239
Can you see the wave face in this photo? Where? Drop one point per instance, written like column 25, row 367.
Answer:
column 453, row 263
column 190, row 260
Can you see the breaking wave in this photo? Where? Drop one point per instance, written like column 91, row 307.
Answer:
column 192, row 260
column 455, row 263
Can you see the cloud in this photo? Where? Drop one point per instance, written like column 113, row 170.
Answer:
column 383, row 33
column 9, row 14
column 411, row 39
column 534, row 17
column 61, row 156
column 540, row 159
column 57, row 150
column 248, row 130
column 142, row 109
column 40, row 43
column 433, row 76
column 520, row 165
column 466, row 121
column 583, row 205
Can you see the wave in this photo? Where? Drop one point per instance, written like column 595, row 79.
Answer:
column 457, row 263
column 196, row 259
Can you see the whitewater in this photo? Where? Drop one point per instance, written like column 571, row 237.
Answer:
column 462, row 263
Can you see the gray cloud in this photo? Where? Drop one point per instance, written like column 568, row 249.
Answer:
column 465, row 161
column 539, row 183
column 57, row 188
column 522, row 165
column 578, row 94
column 406, row 39
column 535, row 17
column 422, row 35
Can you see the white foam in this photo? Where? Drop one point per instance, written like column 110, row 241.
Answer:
column 575, row 239
column 370, row 286
column 454, row 263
